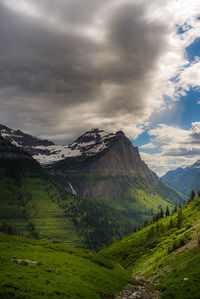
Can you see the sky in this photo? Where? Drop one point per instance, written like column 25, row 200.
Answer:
column 67, row 66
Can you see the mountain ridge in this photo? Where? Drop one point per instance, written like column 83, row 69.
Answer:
column 184, row 179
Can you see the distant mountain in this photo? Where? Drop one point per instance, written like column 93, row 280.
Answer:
column 184, row 179
column 22, row 139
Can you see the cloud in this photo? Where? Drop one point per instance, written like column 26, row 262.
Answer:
column 67, row 66
column 177, row 147
column 148, row 146
column 161, row 164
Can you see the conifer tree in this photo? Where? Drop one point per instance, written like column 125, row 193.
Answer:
column 192, row 194
column 167, row 213
column 180, row 219
column 171, row 223
column 161, row 213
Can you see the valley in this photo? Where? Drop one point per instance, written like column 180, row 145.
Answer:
column 145, row 232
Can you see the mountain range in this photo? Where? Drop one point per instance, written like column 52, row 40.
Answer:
column 92, row 199
column 103, row 167
column 184, row 179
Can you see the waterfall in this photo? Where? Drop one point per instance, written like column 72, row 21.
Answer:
column 72, row 188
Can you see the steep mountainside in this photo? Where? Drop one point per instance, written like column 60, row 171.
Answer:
column 165, row 255
column 32, row 204
column 184, row 179
column 115, row 175
column 104, row 167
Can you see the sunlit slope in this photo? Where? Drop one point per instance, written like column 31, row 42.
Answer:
column 166, row 251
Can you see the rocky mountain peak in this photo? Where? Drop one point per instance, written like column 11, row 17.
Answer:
column 22, row 139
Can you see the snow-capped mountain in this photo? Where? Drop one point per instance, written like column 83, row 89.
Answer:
column 88, row 144
column 22, row 139
column 102, row 166
column 184, row 179
column 46, row 152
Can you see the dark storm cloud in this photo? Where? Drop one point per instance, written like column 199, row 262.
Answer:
column 50, row 63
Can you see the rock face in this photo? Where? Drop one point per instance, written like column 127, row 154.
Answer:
column 114, row 175
column 184, row 179
column 9, row 151
column 116, row 156
column 19, row 138
column 28, row 142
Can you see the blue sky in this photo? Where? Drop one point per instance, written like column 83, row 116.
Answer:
column 181, row 115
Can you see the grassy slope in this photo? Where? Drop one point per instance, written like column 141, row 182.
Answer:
column 152, row 253
column 29, row 199
column 61, row 272
column 36, row 207
column 35, row 201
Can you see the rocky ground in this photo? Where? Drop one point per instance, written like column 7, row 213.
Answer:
column 139, row 290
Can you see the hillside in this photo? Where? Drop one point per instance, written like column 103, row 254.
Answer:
column 32, row 204
column 159, row 261
column 35, row 269
column 29, row 200
column 184, row 179
column 165, row 254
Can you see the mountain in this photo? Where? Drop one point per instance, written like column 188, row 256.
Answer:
column 163, row 256
column 103, row 167
column 184, row 179
column 108, row 169
column 24, row 140
column 32, row 204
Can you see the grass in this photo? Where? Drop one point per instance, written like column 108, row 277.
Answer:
column 151, row 252
column 36, row 201
column 60, row 272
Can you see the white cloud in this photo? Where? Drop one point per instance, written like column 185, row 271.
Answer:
column 178, row 147
column 161, row 164
column 148, row 146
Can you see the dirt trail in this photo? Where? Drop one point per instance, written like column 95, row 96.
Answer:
column 192, row 227
column 139, row 291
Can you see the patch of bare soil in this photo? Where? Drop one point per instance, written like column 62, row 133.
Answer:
column 189, row 245
column 19, row 261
